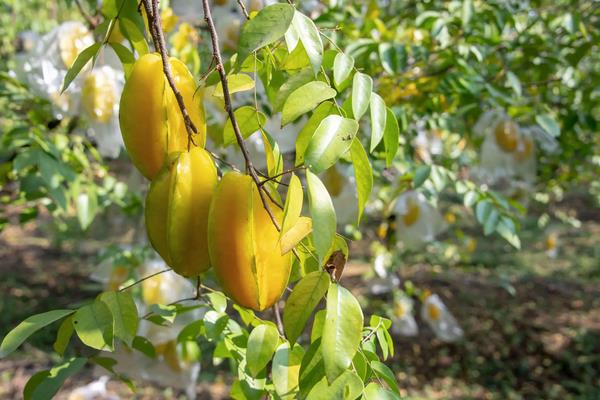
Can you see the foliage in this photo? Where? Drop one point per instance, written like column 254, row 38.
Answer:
column 359, row 90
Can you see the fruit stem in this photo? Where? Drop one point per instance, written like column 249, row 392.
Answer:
column 159, row 42
column 143, row 279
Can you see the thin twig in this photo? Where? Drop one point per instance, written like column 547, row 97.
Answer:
column 144, row 278
column 89, row 19
column 289, row 171
column 278, row 319
column 162, row 49
column 243, row 7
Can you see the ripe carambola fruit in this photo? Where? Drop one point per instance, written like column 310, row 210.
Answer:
column 507, row 135
column 244, row 244
column 177, row 207
column 151, row 122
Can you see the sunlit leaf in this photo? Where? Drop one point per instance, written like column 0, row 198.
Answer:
column 249, row 121
column 26, row 328
column 262, row 342
column 82, row 59
column 342, row 331
column 342, row 67
column 286, row 370
column 45, row 384
column 363, row 174
column 362, row 86
column 305, row 99
column 293, row 236
column 391, row 137
column 309, row 35
column 268, row 26
column 304, row 137
column 235, row 83
column 124, row 311
column 322, row 213
column 332, row 138
column 307, row 293
column 94, row 325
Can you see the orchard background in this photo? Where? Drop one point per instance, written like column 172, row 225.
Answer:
column 432, row 167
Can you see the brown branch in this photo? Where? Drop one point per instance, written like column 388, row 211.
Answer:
column 92, row 22
column 229, row 108
column 243, row 7
column 289, row 171
column 158, row 35
column 277, row 313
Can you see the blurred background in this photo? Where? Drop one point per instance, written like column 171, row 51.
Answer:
column 481, row 237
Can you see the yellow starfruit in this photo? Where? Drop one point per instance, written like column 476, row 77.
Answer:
column 243, row 244
column 151, row 122
column 177, row 208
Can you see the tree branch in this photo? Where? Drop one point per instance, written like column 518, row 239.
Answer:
column 159, row 40
column 144, row 278
column 229, row 108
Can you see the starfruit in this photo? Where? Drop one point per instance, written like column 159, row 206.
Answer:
column 243, row 244
column 507, row 135
column 176, row 212
column 151, row 122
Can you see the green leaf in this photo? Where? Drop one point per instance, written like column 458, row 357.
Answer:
column 467, row 12
column 294, row 82
column 342, row 331
column 144, row 346
column 549, row 124
column 268, row 26
column 293, row 205
column 421, row 175
column 87, row 207
column 309, row 35
column 342, row 67
column 262, row 342
column 249, row 121
column 80, row 62
column 218, row 301
column 286, row 370
column 391, row 137
column 45, row 384
column 348, row 386
column 133, row 33
column 507, row 229
column 235, row 83
column 304, row 137
column 305, row 99
column 318, row 323
column 322, row 213
column 94, row 325
column 382, row 371
column 363, row 174
column 311, row 368
column 362, row 86
column 26, row 328
column 124, row 312
column 331, row 140
column 373, row 391
column 483, row 210
column 378, row 120
column 125, row 56
column 63, row 336
column 307, row 293
column 514, row 82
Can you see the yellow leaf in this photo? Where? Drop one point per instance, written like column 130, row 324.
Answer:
column 295, row 234
column 293, row 205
